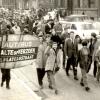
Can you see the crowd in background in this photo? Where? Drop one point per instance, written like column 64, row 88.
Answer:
column 54, row 42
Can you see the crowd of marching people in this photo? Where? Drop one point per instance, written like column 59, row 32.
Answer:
column 57, row 49
column 75, row 52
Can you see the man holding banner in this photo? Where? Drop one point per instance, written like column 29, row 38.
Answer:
column 5, row 72
column 5, row 77
column 16, row 52
column 41, row 60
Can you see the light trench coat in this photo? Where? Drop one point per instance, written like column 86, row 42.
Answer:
column 50, row 63
column 41, row 57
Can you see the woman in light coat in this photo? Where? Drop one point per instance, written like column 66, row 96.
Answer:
column 51, row 52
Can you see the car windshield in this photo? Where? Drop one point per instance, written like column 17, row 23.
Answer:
column 87, row 26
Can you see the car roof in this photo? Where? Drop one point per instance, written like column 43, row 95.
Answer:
column 78, row 16
column 78, row 22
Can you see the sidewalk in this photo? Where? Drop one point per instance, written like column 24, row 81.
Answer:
column 24, row 86
column 19, row 90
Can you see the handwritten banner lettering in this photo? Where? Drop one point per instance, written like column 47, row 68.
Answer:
column 19, row 52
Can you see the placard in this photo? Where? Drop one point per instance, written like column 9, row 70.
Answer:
column 18, row 50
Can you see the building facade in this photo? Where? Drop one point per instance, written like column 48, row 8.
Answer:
column 46, row 3
column 26, row 4
column 11, row 4
column 89, row 7
column 18, row 4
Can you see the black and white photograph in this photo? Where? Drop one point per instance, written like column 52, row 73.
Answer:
column 49, row 49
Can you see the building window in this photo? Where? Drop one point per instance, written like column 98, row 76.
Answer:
column 51, row 1
column 59, row 3
column 78, row 3
column 85, row 3
column 91, row 3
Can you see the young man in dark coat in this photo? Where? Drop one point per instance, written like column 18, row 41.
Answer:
column 5, row 77
column 71, row 52
column 6, row 72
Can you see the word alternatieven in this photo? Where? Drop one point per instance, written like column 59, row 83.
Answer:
column 17, row 51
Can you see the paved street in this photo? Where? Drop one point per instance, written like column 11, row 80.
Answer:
column 24, row 86
column 24, row 27
column 19, row 90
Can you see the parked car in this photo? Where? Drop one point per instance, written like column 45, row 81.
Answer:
column 83, row 29
column 96, row 24
column 75, row 18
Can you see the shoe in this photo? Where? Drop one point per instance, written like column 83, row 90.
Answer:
column 87, row 88
column 50, row 87
column 7, row 87
column 56, row 92
column 75, row 78
column 82, row 84
column 67, row 74
column 41, row 87
column 70, row 68
column 2, row 84
column 87, row 72
column 94, row 76
column 97, row 80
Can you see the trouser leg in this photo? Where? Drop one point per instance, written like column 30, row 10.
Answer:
column 40, row 74
column 8, row 77
column 64, row 59
column 74, row 64
column 3, row 75
column 68, row 65
column 75, row 71
column 43, row 73
column 90, row 62
column 81, row 80
column 84, row 77
column 98, row 73
column 95, row 69
column 51, row 79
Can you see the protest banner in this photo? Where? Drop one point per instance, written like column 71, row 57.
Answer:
column 17, row 50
